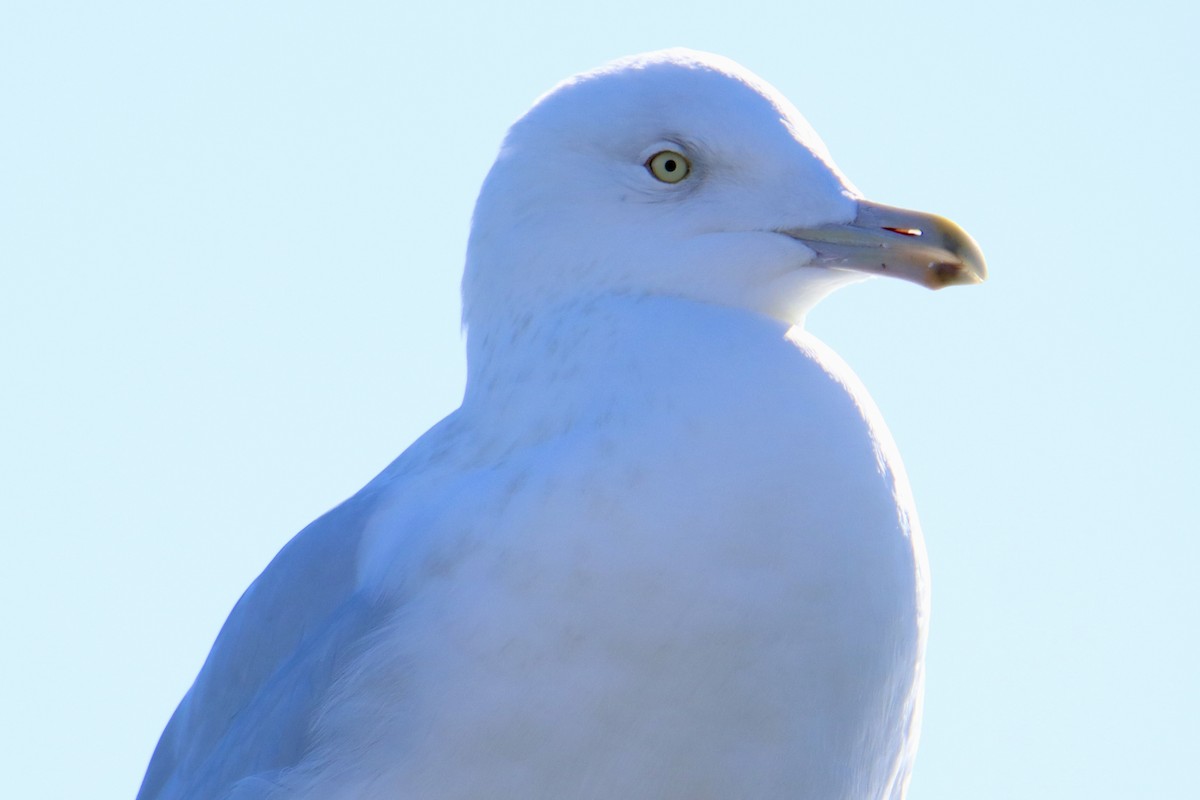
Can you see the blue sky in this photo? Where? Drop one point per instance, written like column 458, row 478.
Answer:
column 230, row 244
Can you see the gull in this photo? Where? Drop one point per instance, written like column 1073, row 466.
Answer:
column 665, row 548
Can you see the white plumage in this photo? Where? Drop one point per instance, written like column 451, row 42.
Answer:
column 664, row 549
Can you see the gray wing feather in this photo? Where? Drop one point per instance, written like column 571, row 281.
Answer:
column 251, row 709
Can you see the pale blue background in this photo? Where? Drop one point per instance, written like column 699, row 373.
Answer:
column 230, row 241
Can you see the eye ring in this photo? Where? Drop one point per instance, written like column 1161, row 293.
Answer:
column 669, row 166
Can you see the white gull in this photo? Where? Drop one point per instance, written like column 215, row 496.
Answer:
column 664, row 549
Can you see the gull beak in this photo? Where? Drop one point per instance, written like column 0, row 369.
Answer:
column 881, row 240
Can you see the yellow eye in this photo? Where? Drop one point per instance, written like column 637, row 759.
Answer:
column 668, row 166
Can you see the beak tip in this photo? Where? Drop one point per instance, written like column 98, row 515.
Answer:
column 955, row 273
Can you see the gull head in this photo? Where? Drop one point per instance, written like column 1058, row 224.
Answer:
column 681, row 173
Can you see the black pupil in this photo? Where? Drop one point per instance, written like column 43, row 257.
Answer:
column 669, row 165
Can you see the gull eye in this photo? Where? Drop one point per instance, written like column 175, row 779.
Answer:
column 669, row 166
